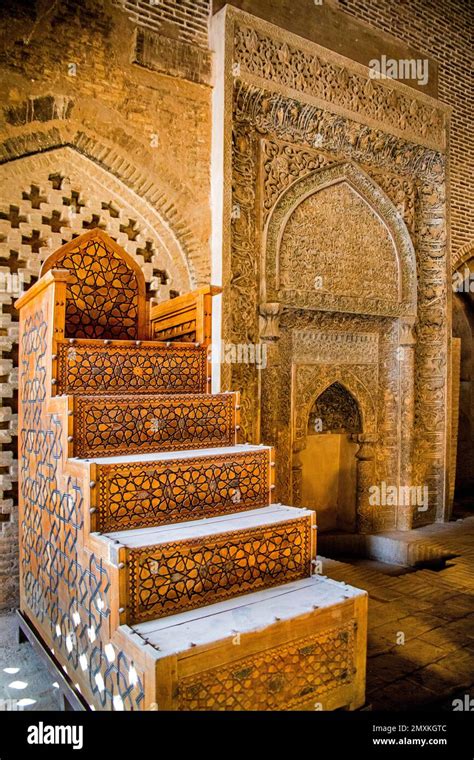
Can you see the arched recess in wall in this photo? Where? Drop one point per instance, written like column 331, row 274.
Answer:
column 131, row 162
column 334, row 419
column 463, row 377
column 48, row 198
column 334, row 423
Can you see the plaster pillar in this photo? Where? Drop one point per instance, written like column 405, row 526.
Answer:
column 365, row 479
column 406, row 356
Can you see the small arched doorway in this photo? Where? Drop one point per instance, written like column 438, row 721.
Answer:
column 329, row 464
column 463, row 329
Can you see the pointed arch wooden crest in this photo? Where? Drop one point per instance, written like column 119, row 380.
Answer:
column 106, row 296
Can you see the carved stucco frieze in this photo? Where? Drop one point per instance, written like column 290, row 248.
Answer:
column 283, row 163
column 289, row 119
column 402, row 191
column 294, row 68
column 337, row 347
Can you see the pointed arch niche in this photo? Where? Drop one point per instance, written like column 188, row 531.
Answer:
column 47, row 199
column 336, row 242
column 339, row 282
column 334, row 422
column 462, row 443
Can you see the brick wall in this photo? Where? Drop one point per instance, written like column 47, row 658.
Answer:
column 444, row 31
column 134, row 107
column 184, row 20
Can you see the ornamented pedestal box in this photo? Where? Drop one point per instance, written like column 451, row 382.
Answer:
column 301, row 646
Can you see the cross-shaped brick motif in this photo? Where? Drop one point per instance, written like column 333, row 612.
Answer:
column 34, row 197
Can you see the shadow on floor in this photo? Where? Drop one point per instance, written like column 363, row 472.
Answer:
column 25, row 682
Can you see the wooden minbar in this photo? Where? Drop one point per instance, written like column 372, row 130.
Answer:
column 156, row 569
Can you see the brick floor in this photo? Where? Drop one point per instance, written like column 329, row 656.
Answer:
column 421, row 624
column 420, row 641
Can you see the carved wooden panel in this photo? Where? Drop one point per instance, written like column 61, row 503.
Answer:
column 92, row 367
column 185, row 318
column 126, row 424
column 106, row 294
column 176, row 490
column 183, row 575
column 185, row 330
column 284, row 677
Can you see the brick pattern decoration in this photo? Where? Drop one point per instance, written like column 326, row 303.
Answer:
column 183, row 20
column 443, row 31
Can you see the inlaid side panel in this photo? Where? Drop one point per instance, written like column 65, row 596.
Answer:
column 92, row 367
column 183, row 575
column 281, row 678
column 125, row 424
column 65, row 593
column 156, row 493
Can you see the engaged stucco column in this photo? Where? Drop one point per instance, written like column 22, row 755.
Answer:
column 270, row 339
column 365, row 479
column 269, row 406
column 406, row 356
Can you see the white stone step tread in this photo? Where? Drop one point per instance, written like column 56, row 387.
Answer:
column 243, row 614
column 271, row 515
column 163, row 456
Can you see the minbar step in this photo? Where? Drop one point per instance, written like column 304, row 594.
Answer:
column 147, row 490
column 179, row 567
column 124, row 366
column 301, row 646
column 128, row 424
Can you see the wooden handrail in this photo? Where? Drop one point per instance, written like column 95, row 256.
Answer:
column 185, row 318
